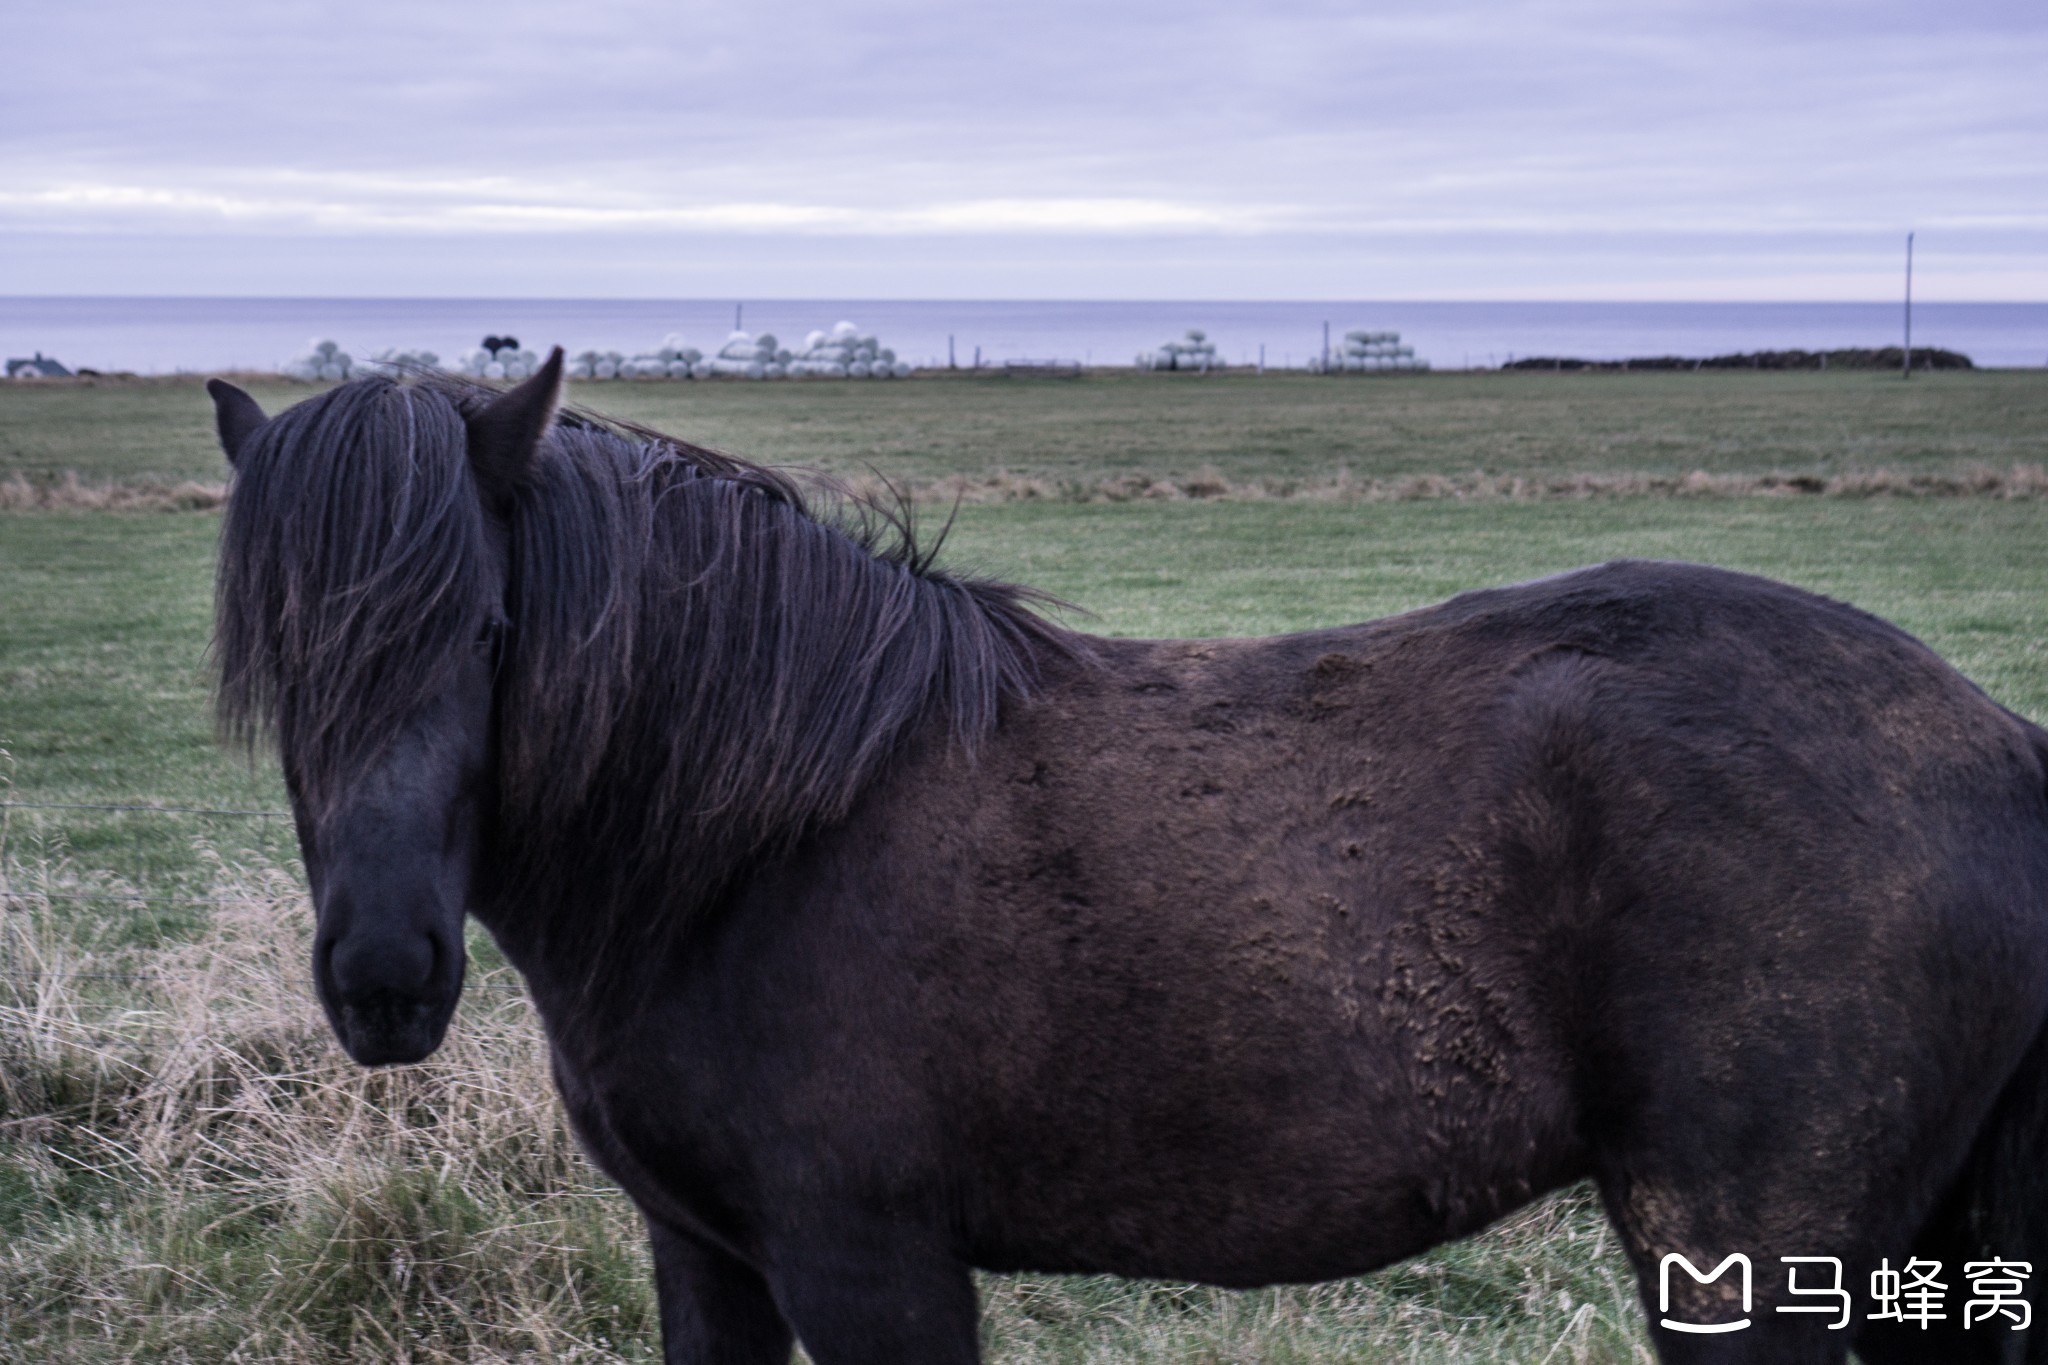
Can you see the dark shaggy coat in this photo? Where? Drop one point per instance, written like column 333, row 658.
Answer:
column 882, row 929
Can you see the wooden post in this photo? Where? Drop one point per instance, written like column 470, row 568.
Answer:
column 951, row 364
column 1326, row 348
column 737, row 309
column 1906, row 361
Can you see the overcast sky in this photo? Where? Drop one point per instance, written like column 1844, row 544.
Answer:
column 870, row 148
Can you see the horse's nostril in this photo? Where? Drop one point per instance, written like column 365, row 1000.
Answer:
column 403, row 963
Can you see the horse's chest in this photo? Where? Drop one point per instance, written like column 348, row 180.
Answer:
column 636, row 1111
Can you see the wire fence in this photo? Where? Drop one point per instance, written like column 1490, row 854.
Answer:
column 143, row 807
column 11, row 894
column 105, row 897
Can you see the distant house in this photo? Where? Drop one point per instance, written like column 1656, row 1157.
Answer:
column 39, row 366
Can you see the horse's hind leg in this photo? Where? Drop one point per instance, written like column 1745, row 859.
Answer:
column 714, row 1310
column 1768, row 1167
column 1657, row 1218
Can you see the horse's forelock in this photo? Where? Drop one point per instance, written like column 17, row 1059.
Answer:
column 354, row 566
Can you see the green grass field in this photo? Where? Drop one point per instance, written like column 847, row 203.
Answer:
column 1276, row 427
column 190, row 1171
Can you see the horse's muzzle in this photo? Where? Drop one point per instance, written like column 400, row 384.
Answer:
column 389, row 996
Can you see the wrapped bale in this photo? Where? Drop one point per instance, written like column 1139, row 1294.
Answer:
column 1369, row 352
column 1192, row 351
column 323, row 360
column 843, row 352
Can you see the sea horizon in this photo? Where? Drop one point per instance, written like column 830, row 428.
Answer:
column 166, row 334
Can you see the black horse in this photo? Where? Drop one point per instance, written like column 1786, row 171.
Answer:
column 883, row 929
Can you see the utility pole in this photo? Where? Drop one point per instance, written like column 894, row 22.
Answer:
column 951, row 364
column 1326, row 348
column 1906, row 361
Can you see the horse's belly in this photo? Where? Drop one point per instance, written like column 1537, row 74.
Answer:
column 1249, row 1136
column 1307, row 1195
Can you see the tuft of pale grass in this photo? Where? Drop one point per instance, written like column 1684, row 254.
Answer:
column 191, row 1169
column 68, row 492
column 2019, row 482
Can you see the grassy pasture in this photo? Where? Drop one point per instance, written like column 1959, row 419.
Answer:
column 1251, row 428
column 190, row 1171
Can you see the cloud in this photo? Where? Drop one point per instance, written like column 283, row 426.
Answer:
column 1450, row 125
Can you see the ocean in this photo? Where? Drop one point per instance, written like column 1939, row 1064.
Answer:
column 166, row 335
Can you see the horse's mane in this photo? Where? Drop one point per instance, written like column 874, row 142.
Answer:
column 705, row 657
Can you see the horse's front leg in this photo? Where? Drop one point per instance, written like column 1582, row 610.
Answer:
column 714, row 1309
column 860, row 1294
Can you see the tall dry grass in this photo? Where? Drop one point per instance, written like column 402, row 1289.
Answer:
column 191, row 1170
column 70, row 492
column 2019, row 481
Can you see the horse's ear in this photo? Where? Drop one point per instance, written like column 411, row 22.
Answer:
column 505, row 435
column 237, row 417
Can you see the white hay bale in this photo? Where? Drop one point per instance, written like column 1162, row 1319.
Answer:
column 578, row 369
column 494, row 370
column 813, row 339
column 606, row 368
column 679, row 369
